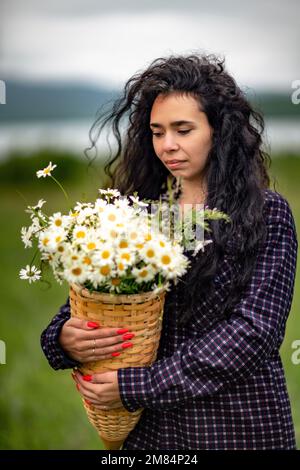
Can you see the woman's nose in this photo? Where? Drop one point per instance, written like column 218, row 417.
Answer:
column 169, row 143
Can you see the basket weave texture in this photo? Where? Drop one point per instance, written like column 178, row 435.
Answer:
column 140, row 313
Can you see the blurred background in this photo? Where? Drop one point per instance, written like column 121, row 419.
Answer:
column 60, row 61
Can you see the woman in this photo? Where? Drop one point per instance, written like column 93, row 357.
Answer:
column 218, row 381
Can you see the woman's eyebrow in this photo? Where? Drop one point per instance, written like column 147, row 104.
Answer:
column 173, row 124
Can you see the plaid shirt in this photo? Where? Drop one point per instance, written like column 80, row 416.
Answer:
column 216, row 383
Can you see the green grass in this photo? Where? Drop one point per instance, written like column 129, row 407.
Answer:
column 40, row 408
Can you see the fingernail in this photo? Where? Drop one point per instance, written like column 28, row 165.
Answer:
column 87, row 402
column 127, row 345
column 128, row 336
column 87, row 378
column 115, row 354
column 93, row 324
column 122, row 331
column 77, row 386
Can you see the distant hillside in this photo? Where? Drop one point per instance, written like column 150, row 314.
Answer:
column 32, row 101
column 275, row 105
column 26, row 101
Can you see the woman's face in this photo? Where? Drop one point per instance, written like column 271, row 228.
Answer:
column 181, row 135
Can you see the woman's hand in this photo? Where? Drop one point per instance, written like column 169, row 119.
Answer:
column 87, row 341
column 99, row 390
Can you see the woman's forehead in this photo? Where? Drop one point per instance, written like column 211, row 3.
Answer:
column 175, row 107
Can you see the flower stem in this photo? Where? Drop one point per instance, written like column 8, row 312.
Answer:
column 61, row 187
column 34, row 256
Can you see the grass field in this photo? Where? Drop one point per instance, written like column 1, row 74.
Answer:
column 40, row 408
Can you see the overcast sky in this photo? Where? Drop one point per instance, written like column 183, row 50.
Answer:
column 105, row 42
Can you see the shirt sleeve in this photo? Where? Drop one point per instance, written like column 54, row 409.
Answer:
column 54, row 353
column 232, row 349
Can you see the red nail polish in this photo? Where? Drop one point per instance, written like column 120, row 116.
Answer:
column 128, row 336
column 122, row 331
column 77, row 386
column 93, row 324
column 116, row 354
column 126, row 345
column 87, row 402
column 87, row 378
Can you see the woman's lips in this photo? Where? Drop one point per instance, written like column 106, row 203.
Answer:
column 175, row 163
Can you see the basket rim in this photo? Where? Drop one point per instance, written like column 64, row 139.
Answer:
column 120, row 298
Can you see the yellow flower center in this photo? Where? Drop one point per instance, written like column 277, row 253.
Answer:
column 112, row 217
column 61, row 249
column 162, row 243
column 45, row 241
column 116, row 281
column 80, row 234
column 58, row 222
column 125, row 256
column 91, row 246
column 76, row 271
column 165, row 259
column 143, row 273
column 121, row 266
column 87, row 260
column 105, row 254
column 105, row 270
column 150, row 253
column 58, row 239
column 123, row 244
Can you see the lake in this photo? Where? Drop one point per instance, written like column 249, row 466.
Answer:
column 281, row 134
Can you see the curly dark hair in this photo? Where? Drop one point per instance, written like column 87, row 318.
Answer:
column 236, row 172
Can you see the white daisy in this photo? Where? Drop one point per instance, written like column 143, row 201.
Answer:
column 121, row 267
column 60, row 221
column 104, row 254
column 31, row 273
column 39, row 205
column 77, row 273
column 110, row 192
column 145, row 274
column 46, row 171
column 86, row 216
column 56, row 237
column 149, row 252
column 137, row 201
column 26, row 236
column 80, row 234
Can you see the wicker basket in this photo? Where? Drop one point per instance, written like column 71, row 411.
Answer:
column 141, row 314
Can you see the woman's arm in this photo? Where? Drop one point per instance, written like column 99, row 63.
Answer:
column 235, row 348
column 53, row 351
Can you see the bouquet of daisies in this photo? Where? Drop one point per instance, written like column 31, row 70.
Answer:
column 114, row 244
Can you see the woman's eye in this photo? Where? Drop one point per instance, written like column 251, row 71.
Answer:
column 156, row 134
column 184, row 131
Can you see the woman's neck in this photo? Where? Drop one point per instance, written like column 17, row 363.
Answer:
column 192, row 192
